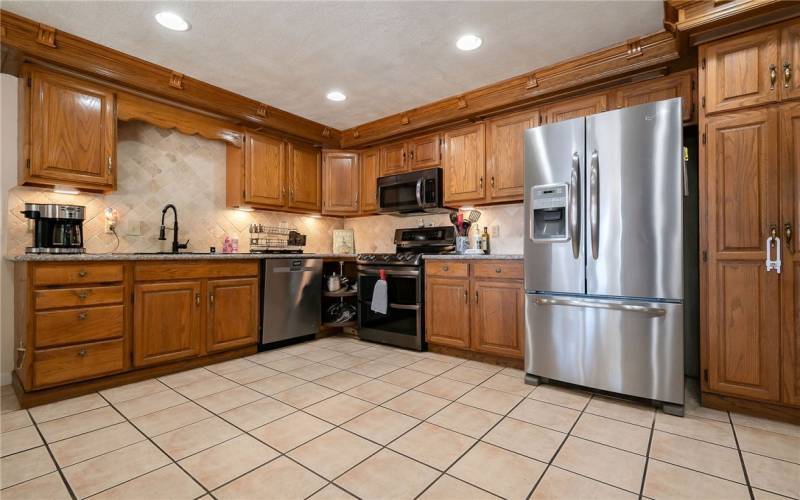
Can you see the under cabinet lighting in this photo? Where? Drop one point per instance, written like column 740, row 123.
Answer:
column 65, row 189
column 335, row 95
column 245, row 208
column 172, row 21
column 469, row 42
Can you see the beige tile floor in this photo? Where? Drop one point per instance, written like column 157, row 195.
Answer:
column 339, row 418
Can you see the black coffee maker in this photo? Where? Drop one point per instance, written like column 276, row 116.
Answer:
column 57, row 229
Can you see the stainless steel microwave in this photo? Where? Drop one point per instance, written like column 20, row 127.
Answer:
column 411, row 193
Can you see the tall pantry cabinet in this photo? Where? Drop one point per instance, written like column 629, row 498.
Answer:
column 749, row 211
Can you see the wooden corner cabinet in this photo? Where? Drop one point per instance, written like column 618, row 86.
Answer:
column 749, row 168
column 274, row 173
column 80, row 326
column 341, row 181
column 475, row 305
column 68, row 131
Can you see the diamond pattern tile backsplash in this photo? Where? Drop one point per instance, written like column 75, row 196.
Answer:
column 156, row 167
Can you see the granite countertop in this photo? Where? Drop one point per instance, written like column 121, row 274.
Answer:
column 455, row 256
column 101, row 257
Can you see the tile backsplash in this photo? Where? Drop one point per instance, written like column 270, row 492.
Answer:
column 156, row 167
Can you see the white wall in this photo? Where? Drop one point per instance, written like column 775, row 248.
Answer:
column 8, row 179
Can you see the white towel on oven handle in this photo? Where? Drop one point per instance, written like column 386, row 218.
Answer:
column 380, row 294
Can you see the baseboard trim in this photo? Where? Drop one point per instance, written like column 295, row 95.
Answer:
column 763, row 409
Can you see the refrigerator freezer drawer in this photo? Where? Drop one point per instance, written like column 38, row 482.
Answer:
column 624, row 346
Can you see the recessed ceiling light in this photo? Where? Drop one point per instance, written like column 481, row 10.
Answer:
column 172, row 21
column 335, row 95
column 469, row 42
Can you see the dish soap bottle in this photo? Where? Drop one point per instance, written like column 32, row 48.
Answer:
column 485, row 240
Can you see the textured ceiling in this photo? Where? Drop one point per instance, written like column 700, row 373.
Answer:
column 386, row 56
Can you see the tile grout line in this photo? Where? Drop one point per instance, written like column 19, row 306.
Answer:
column 53, row 458
column 558, row 450
column 741, row 458
column 647, row 455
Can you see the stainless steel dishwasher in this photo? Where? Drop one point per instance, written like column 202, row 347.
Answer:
column 292, row 301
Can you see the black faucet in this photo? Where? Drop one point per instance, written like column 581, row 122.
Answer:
column 162, row 233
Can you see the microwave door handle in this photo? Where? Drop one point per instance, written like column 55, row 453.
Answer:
column 419, row 192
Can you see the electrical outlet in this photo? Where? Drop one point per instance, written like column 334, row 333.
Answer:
column 494, row 231
column 134, row 228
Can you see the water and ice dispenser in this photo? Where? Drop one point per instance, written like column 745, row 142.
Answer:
column 550, row 214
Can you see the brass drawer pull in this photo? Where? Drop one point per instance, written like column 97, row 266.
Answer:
column 83, row 294
column 82, row 315
column 82, row 353
column 445, row 267
column 787, row 74
column 498, row 270
column 773, row 75
column 83, row 274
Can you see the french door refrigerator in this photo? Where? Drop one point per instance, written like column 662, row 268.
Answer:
column 603, row 252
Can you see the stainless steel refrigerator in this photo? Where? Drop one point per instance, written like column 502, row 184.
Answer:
column 603, row 252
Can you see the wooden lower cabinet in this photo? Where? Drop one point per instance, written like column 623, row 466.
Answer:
column 232, row 313
column 498, row 318
column 447, row 309
column 166, row 322
column 475, row 312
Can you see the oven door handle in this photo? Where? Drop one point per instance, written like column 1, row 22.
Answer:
column 389, row 273
column 410, row 307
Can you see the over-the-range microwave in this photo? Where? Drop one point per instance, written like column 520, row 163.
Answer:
column 412, row 193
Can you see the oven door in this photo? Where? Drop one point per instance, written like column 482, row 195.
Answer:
column 402, row 323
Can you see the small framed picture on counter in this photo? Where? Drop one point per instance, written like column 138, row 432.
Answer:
column 344, row 241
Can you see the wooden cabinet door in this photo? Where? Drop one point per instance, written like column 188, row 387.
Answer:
column 166, row 322
column 464, row 164
column 790, row 61
column 742, row 299
column 232, row 319
column 72, row 130
column 737, row 71
column 340, row 183
column 658, row 89
column 790, row 273
column 264, row 170
column 304, row 178
column 447, row 312
column 370, row 165
column 575, row 108
column 425, row 152
column 505, row 155
column 498, row 318
column 393, row 158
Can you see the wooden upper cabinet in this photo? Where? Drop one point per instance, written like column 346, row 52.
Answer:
column 790, row 60
column 464, row 164
column 425, row 152
column 72, row 131
column 232, row 313
column 575, row 108
column 447, row 307
column 678, row 85
column 498, row 318
column 370, row 166
column 166, row 322
column 790, row 272
column 304, row 177
column 505, row 155
column 741, row 71
column 393, row 158
column 740, row 205
column 264, row 170
column 340, row 181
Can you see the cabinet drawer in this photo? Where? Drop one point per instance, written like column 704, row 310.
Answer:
column 68, row 364
column 447, row 268
column 77, row 297
column 78, row 325
column 151, row 271
column 73, row 274
column 498, row 269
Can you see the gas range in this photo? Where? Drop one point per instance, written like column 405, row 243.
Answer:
column 390, row 259
column 411, row 244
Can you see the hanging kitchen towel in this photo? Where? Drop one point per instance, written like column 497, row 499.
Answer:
column 380, row 294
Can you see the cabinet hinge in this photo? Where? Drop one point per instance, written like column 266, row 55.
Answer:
column 703, row 63
column 704, row 137
column 703, row 102
column 705, row 256
column 705, row 374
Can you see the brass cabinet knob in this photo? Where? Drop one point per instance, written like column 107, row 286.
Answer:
column 82, row 315
column 445, row 267
column 498, row 270
column 83, row 273
column 82, row 353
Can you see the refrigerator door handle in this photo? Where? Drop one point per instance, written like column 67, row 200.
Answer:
column 574, row 205
column 594, row 204
column 547, row 301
